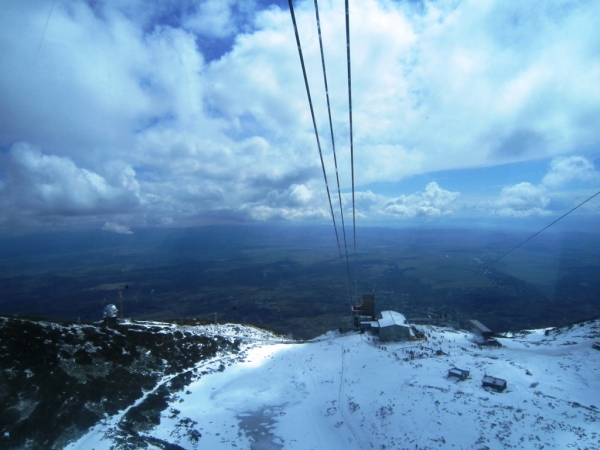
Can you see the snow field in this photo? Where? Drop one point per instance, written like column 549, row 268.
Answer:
column 353, row 392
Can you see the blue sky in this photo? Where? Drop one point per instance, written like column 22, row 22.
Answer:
column 122, row 114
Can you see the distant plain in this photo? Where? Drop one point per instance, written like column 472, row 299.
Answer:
column 290, row 278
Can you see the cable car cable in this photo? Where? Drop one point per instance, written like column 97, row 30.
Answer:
column 312, row 113
column 531, row 237
column 351, row 140
column 332, row 139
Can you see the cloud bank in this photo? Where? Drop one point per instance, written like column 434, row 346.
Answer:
column 526, row 199
column 116, row 228
column 53, row 185
column 166, row 114
column 431, row 203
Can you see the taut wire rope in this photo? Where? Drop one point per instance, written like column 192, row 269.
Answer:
column 312, row 113
column 337, row 176
column 531, row 237
column 351, row 141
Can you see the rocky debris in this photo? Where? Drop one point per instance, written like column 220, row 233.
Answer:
column 59, row 379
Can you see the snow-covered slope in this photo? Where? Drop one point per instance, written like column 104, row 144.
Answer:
column 352, row 392
column 57, row 379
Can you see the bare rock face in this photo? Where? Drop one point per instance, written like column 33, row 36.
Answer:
column 59, row 379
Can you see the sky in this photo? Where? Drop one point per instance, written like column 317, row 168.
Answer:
column 122, row 114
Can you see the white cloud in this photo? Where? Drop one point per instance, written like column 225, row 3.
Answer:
column 51, row 185
column 294, row 203
column 116, row 228
column 434, row 202
column 433, row 98
column 295, row 195
column 365, row 201
column 526, row 199
column 124, row 90
column 570, row 169
column 523, row 199
column 264, row 213
column 212, row 18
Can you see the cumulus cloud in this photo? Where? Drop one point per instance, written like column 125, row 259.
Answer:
column 295, row 203
column 179, row 112
column 523, row 199
column 295, row 195
column 42, row 184
column 213, row 18
column 434, row 202
column 526, row 199
column 365, row 201
column 114, row 227
column 569, row 169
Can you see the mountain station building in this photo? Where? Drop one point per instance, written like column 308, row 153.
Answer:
column 481, row 330
column 391, row 326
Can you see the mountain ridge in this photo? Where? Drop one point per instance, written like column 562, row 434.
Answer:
column 159, row 385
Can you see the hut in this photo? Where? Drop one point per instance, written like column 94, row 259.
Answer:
column 495, row 383
column 461, row 374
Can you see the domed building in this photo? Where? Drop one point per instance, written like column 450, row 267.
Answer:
column 110, row 314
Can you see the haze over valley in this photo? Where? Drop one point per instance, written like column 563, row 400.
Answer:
column 290, row 279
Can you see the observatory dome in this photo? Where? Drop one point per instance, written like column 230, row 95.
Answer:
column 110, row 311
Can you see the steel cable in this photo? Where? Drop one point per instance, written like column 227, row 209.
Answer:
column 333, row 141
column 312, row 113
column 351, row 141
column 531, row 237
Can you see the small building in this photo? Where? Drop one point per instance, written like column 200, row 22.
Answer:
column 393, row 326
column 495, row 383
column 461, row 374
column 480, row 329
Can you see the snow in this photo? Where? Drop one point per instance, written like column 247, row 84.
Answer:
column 350, row 391
column 390, row 318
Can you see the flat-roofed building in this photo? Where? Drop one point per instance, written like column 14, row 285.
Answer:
column 461, row 374
column 495, row 383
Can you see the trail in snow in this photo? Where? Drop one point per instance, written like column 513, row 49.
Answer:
column 342, row 400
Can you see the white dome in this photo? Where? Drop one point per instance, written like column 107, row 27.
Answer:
column 110, row 311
